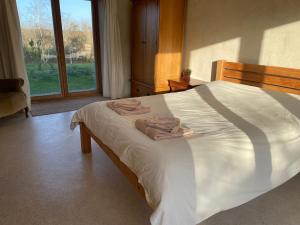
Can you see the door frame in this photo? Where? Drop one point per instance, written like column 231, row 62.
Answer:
column 59, row 42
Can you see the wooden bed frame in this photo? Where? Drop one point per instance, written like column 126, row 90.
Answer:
column 267, row 77
column 86, row 147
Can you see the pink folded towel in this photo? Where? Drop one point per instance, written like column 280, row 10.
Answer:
column 160, row 134
column 126, row 104
column 128, row 107
column 167, row 124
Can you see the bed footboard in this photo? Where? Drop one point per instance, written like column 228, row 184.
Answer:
column 85, row 137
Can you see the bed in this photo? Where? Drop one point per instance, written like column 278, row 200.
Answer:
column 246, row 142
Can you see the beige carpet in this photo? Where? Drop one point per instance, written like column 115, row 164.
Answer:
column 64, row 105
column 45, row 180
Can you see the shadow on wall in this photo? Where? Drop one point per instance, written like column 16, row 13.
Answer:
column 235, row 30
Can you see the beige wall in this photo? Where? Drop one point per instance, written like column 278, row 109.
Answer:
column 250, row 31
column 124, row 14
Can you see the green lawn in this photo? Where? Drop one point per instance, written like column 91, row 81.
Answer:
column 44, row 79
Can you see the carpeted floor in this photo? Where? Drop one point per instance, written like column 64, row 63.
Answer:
column 64, row 105
column 45, row 180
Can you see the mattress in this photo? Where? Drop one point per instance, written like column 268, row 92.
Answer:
column 246, row 142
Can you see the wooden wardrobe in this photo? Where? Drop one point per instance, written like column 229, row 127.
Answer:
column 157, row 42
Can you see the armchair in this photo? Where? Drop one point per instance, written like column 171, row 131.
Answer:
column 12, row 98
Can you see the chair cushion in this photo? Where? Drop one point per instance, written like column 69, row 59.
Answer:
column 11, row 102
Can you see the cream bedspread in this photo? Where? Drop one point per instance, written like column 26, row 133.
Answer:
column 246, row 142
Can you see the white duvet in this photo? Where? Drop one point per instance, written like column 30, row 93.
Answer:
column 246, row 142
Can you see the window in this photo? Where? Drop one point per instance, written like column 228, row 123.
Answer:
column 59, row 42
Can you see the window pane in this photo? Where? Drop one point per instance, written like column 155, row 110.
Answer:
column 79, row 47
column 39, row 46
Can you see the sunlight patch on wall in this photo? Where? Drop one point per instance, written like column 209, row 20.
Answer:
column 202, row 58
column 280, row 46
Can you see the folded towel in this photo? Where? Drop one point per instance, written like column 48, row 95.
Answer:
column 158, row 134
column 167, row 124
column 126, row 104
column 128, row 107
column 137, row 111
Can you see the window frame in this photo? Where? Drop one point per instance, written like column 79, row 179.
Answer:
column 59, row 42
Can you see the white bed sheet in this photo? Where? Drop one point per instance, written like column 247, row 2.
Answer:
column 246, row 142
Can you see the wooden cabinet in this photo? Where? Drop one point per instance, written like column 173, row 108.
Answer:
column 157, row 40
column 141, row 89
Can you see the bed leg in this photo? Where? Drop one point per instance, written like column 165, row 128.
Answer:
column 85, row 137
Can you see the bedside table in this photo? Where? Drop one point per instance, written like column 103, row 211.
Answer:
column 176, row 85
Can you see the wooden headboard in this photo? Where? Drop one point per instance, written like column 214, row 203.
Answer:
column 267, row 77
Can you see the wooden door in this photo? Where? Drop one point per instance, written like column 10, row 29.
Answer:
column 151, row 40
column 139, row 15
column 171, row 32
